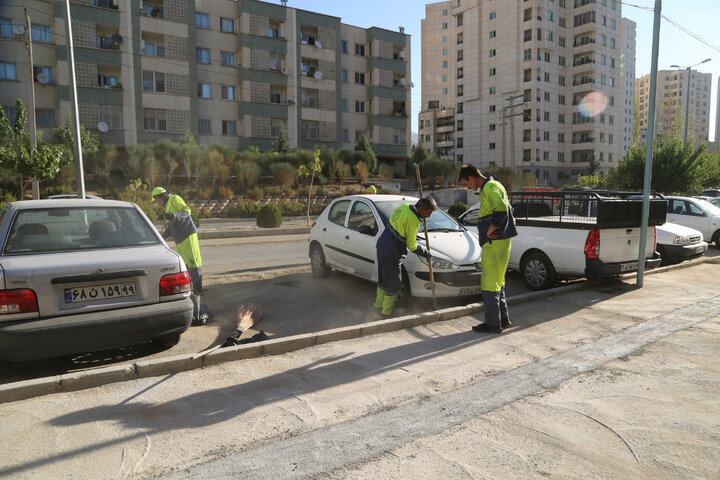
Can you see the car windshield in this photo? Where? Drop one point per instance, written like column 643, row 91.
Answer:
column 709, row 207
column 439, row 221
column 68, row 229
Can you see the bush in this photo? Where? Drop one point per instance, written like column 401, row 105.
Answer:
column 291, row 208
column 273, row 191
column 283, row 174
column 6, row 197
column 385, row 172
column 224, row 193
column 457, row 209
column 256, row 193
column 361, row 172
column 269, row 216
column 242, row 209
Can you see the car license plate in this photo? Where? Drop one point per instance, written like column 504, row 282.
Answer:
column 470, row 291
column 99, row 292
column 628, row 267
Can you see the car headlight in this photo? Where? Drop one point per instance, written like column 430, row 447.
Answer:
column 440, row 264
column 681, row 240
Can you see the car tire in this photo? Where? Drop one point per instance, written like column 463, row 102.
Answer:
column 716, row 238
column 664, row 260
column 167, row 342
column 317, row 261
column 537, row 271
column 405, row 291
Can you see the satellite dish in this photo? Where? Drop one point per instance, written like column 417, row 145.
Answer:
column 284, row 70
column 318, row 75
column 412, row 85
column 103, row 127
column 117, row 39
column 18, row 29
column 318, row 44
column 43, row 78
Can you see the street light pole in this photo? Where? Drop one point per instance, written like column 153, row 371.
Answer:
column 687, row 98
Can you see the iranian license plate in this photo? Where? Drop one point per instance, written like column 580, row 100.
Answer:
column 628, row 267
column 470, row 291
column 99, row 292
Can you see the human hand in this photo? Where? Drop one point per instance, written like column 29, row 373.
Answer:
column 169, row 216
column 492, row 232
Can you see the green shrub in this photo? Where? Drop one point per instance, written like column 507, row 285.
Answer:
column 291, row 208
column 273, row 191
column 269, row 216
column 6, row 197
column 350, row 190
column 256, row 193
column 224, row 193
column 385, row 172
column 361, row 172
column 283, row 174
column 457, row 209
column 242, row 209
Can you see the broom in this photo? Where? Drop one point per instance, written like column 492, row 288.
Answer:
column 247, row 316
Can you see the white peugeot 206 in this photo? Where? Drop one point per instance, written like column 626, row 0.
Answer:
column 344, row 237
column 80, row 276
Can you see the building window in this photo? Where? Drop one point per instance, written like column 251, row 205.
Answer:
column 459, row 90
column 227, row 25
column 444, row 91
column 492, row 127
column 44, row 117
column 444, row 39
column 228, row 92
column 492, row 72
column 459, row 142
column 204, row 90
column 493, row 15
column 153, row 82
column 345, row 135
column 203, row 56
column 561, row 80
column 40, row 33
column 444, row 64
column 492, row 146
column 153, row 49
column 493, row 34
column 460, row 38
column 460, row 55
column 492, row 90
column 202, row 20
column 546, row 56
column 460, row 72
column 344, row 76
column 561, row 138
column 459, row 108
column 360, row 49
column 344, row 105
column 7, row 71
column 561, row 21
column 154, row 120
column 444, row 26
column 561, row 99
column 561, row 60
column 527, row 54
column 229, row 127
column 359, row 106
column 343, row 46
column 460, row 20
column 227, row 59
column 205, row 126
column 492, row 108
column 492, row 52
column 550, row 36
column 561, row 41
column 444, row 78
column 6, row 28
column 43, row 75
column 359, row 78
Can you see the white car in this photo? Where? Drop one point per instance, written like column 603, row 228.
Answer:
column 695, row 213
column 79, row 276
column 676, row 243
column 344, row 237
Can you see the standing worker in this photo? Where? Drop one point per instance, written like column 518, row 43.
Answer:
column 180, row 226
column 398, row 237
column 496, row 226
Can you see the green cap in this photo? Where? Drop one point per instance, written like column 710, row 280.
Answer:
column 157, row 191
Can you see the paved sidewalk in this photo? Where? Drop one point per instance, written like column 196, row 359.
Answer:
column 603, row 382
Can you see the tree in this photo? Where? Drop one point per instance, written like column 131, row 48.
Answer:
column 280, row 144
column 363, row 145
column 676, row 167
column 310, row 169
column 42, row 162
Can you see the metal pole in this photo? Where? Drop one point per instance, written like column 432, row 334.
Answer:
column 31, row 110
column 687, row 106
column 649, row 145
column 504, row 155
column 427, row 242
column 75, row 116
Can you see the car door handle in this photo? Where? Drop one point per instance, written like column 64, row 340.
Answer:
column 324, row 229
column 347, row 237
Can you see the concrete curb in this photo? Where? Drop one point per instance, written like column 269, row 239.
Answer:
column 170, row 365
column 250, row 232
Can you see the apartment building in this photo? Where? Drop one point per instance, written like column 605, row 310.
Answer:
column 627, row 66
column 534, row 85
column 229, row 71
column 671, row 102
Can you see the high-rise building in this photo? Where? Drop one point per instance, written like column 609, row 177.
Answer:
column 627, row 66
column 230, row 72
column 672, row 105
column 534, row 85
column 717, row 113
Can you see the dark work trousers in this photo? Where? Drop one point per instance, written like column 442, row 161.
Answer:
column 496, row 311
column 196, row 285
column 390, row 252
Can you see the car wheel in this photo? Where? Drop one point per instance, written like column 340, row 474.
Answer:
column 317, row 261
column 716, row 238
column 405, row 291
column 167, row 342
column 537, row 271
column 664, row 260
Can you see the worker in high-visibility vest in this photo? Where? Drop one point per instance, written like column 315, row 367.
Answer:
column 371, row 190
column 180, row 226
column 496, row 226
column 398, row 237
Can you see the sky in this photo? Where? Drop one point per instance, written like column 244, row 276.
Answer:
column 701, row 17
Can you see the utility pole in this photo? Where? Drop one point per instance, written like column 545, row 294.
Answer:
column 509, row 114
column 31, row 110
column 649, row 144
column 74, row 104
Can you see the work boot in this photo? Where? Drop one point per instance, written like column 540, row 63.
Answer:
column 379, row 299
column 388, row 304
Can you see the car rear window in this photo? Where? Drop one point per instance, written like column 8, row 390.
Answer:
column 68, row 229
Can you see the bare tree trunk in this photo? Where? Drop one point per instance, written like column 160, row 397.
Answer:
column 312, row 177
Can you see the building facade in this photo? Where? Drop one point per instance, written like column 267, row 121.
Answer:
column 229, row 71
column 534, row 85
column 672, row 103
column 627, row 65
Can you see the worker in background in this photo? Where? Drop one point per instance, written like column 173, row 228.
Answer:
column 371, row 190
column 496, row 226
column 180, row 226
column 398, row 237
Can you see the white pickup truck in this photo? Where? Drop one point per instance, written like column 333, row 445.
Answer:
column 576, row 234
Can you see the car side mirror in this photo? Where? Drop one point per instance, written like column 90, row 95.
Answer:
column 367, row 230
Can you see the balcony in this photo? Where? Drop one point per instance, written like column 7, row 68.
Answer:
column 582, row 140
column 582, row 3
